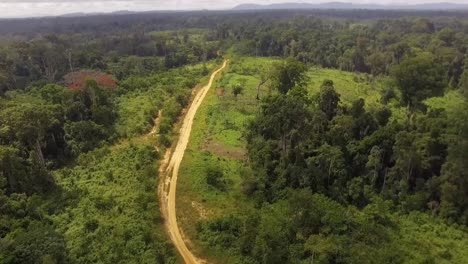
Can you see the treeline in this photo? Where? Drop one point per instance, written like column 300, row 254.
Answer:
column 133, row 52
column 135, row 46
column 160, row 21
column 371, row 47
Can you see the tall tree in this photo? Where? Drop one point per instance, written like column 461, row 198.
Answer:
column 418, row 78
column 287, row 74
column 454, row 188
column 328, row 99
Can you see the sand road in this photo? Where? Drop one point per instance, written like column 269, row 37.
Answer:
column 168, row 186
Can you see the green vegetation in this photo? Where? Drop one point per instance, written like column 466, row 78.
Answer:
column 338, row 138
column 143, row 97
column 356, row 219
column 216, row 148
column 78, row 177
column 111, row 206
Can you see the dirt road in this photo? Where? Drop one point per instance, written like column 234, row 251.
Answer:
column 167, row 188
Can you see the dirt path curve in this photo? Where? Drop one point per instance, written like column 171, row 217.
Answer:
column 167, row 188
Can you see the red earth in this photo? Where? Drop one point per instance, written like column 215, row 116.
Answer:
column 77, row 80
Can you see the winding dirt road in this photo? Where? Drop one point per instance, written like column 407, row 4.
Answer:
column 167, row 187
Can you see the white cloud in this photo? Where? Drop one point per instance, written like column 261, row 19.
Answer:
column 24, row 8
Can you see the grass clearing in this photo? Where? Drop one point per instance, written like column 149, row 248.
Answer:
column 351, row 86
column 216, row 141
column 144, row 96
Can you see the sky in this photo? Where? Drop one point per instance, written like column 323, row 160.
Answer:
column 27, row 8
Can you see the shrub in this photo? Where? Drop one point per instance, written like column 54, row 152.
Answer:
column 215, row 178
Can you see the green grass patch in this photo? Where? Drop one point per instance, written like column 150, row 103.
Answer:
column 216, row 141
column 145, row 96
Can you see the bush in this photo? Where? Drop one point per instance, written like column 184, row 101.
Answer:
column 221, row 232
column 387, row 95
column 215, row 178
column 165, row 140
column 84, row 136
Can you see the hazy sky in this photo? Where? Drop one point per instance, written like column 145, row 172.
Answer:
column 24, row 8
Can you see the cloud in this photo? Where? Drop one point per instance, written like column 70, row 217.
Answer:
column 27, row 8
column 60, row 1
column 22, row 8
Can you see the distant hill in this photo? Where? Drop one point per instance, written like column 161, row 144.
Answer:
column 123, row 12
column 347, row 5
column 77, row 14
column 82, row 14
